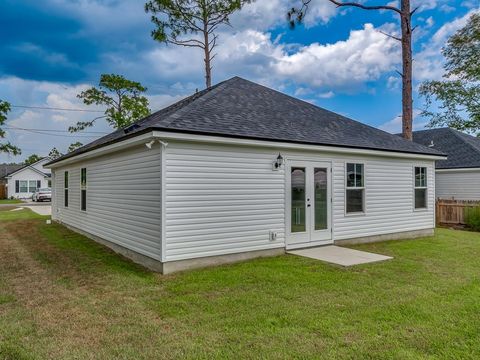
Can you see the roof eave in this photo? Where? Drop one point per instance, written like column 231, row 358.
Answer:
column 179, row 134
column 438, row 156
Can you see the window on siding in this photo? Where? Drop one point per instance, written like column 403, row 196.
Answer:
column 23, row 185
column 355, row 189
column 420, row 187
column 83, row 189
column 65, row 186
column 32, row 186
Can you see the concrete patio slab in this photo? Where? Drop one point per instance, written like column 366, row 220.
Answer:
column 44, row 210
column 340, row 255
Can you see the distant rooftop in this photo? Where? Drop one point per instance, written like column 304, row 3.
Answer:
column 6, row 169
column 463, row 150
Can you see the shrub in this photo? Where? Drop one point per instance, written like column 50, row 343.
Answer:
column 472, row 218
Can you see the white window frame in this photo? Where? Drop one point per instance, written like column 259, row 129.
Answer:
column 31, row 188
column 415, row 187
column 20, row 186
column 363, row 188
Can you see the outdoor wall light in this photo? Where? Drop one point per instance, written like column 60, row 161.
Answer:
column 150, row 144
column 277, row 165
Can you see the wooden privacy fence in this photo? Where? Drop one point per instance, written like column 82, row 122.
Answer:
column 452, row 212
column 3, row 191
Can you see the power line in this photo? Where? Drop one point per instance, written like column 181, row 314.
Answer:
column 52, row 130
column 55, row 108
column 40, row 132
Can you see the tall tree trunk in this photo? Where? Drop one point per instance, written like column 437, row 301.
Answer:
column 407, row 102
column 208, row 68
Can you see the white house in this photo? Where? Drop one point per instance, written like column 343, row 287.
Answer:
column 238, row 171
column 458, row 177
column 22, row 183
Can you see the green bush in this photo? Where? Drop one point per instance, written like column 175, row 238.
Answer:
column 472, row 218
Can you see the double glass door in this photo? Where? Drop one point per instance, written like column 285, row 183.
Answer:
column 309, row 195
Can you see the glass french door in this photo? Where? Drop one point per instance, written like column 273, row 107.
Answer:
column 309, row 202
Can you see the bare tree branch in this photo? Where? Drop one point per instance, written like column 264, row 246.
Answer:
column 390, row 36
column 365, row 7
column 188, row 43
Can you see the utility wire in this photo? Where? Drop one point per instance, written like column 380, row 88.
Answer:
column 55, row 108
column 40, row 132
column 52, row 130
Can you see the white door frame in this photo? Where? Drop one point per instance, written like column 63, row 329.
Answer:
column 310, row 237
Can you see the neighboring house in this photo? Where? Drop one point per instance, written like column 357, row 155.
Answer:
column 458, row 177
column 22, row 182
column 4, row 170
column 238, row 171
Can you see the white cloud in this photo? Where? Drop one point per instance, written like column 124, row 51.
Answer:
column 326, row 95
column 345, row 65
column 53, row 95
column 394, row 126
column 447, row 8
column 428, row 63
column 263, row 15
column 470, row 4
column 430, row 22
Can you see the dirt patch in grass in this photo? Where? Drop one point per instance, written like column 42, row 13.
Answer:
column 58, row 291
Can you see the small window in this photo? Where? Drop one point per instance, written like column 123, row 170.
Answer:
column 355, row 189
column 83, row 189
column 32, row 186
column 420, row 188
column 23, row 186
column 65, row 186
column 49, row 183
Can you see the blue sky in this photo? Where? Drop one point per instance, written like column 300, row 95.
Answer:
column 53, row 49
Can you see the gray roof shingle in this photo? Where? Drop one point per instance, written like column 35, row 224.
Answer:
column 244, row 109
column 463, row 150
column 6, row 169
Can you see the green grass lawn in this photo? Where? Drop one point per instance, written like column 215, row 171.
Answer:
column 63, row 296
column 10, row 201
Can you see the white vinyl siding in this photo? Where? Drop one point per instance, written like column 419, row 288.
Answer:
column 389, row 202
column 460, row 185
column 123, row 198
column 221, row 200
column 226, row 199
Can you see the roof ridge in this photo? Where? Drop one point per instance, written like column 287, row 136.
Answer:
column 201, row 96
column 460, row 135
column 432, row 129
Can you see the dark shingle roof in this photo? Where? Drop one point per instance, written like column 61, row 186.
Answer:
column 241, row 108
column 463, row 150
column 6, row 169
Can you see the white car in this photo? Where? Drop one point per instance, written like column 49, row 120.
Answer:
column 43, row 194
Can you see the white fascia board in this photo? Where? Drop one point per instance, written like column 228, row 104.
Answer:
column 457, row 170
column 286, row 145
column 121, row 145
